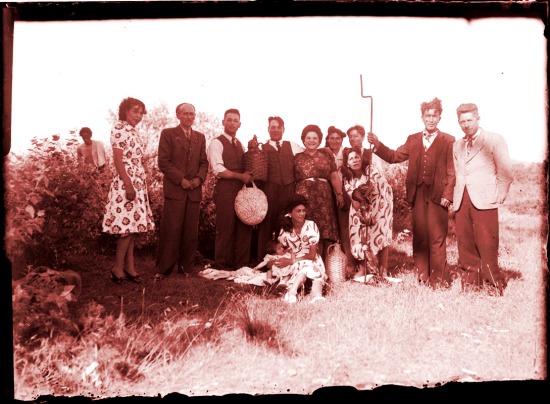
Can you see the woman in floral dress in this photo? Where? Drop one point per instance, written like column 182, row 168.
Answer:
column 371, row 213
column 301, row 236
column 315, row 171
column 127, row 213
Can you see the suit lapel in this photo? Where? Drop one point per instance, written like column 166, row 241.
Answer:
column 192, row 143
column 438, row 143
column 418, row 145
column 478, row 145
column 180, row 137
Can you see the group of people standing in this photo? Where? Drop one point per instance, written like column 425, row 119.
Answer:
column 316, row 196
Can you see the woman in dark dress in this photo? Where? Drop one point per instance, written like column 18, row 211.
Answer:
column 315, row 171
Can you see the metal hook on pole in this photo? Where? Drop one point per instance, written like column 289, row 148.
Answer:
column 367, row 96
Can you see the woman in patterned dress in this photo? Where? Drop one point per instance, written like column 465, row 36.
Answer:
column 315, row 172
column 127, row 212
column 302, row 237
column 371, row 212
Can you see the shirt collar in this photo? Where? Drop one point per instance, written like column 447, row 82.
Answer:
column 186, row 131
column 229, row 137
column 426, row 133
column 274, row 143
column 474, row 136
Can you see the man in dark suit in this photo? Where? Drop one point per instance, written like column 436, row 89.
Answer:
column 483, row 179
column 182, row 159
column 430, row 183
column 280, row 182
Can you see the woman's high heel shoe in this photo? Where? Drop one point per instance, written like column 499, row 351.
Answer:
column 136, row 278
column 116, row 279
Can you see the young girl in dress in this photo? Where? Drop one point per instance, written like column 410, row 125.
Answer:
column 275, row 251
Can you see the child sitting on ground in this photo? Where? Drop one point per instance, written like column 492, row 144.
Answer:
column 275, row 250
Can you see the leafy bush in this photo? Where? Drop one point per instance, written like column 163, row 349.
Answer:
column 396, row 175
column 40, row 312
column 55, row 204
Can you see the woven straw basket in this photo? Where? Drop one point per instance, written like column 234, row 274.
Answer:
column 336, row 264
column 251, row 205
column 256, row 162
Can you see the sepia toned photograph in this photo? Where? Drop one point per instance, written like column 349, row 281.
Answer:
column 274, row 202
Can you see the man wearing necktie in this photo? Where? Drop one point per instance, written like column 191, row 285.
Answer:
column 280, row 182
column 233, row 237
column 182, row 159
column 483, row 177
column 430, row 182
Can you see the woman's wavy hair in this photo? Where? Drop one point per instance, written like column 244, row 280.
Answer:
column 293, row 201
column 126, row 105
column 346, row 172
column 312, row 128
column 332, row 130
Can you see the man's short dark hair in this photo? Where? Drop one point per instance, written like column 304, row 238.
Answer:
column 359, row 130
column 232, row 111
column 276, row 118
column 433, row 104
column 84, row 131
column 465, row 108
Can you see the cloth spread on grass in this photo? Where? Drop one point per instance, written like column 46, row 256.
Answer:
column 243, row 275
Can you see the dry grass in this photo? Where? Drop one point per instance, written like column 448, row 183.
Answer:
column 225, row 338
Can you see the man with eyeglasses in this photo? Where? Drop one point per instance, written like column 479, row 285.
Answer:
column 183, row 161
column 430, row 183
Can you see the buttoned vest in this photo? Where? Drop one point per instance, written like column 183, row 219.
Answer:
column 427, row 166
column 232, row 155
column 280, row 164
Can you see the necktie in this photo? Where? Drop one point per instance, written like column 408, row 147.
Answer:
column 470, row 145
column 188, row 135
column 278, row 146
column 428, row 137
column 234, row 141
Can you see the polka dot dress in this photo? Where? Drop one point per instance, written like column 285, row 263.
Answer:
column 121, row 215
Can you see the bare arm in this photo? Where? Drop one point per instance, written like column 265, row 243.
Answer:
column 130, row 191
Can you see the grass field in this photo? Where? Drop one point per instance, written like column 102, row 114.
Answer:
column 200, row 337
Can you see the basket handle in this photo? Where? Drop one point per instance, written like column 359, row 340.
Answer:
column 253, row 185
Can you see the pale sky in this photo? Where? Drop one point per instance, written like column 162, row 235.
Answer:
column 306, row 70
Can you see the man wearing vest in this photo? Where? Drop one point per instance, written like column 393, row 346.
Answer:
column 280, row 182
column 182, row 159
column 483, row 178
column 430, row 183
column 233, row 237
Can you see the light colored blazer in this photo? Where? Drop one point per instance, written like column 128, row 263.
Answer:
column 486, row 171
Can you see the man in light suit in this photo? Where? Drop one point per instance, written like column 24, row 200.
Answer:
column 182, row 159
column 483, row 178
column 430, row 181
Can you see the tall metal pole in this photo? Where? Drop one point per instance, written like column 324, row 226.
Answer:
column 370, row 164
